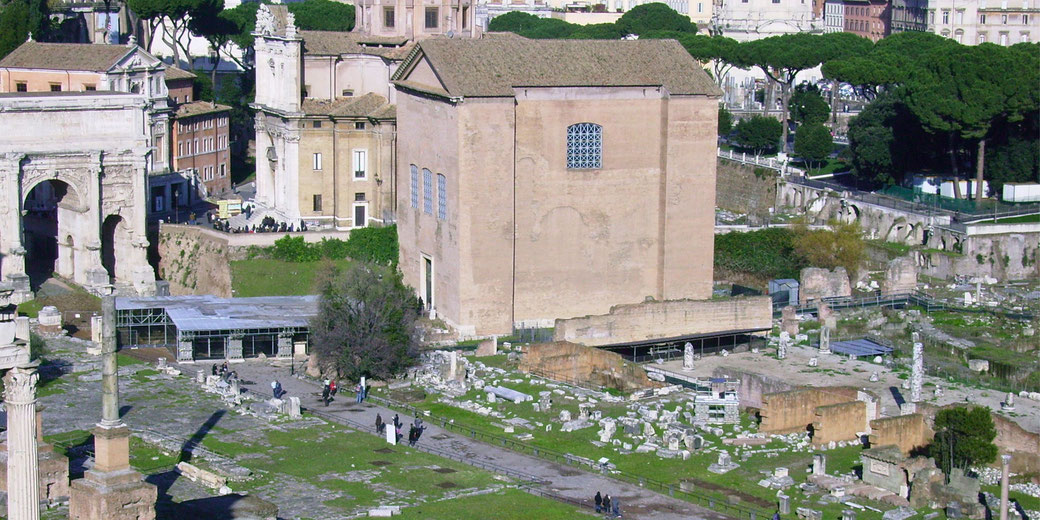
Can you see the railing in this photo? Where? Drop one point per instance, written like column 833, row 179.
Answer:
column 962, row 212
column 719, row 504
column 765, row 162
column 916, row 298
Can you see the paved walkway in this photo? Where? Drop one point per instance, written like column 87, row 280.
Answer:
column 636, row 502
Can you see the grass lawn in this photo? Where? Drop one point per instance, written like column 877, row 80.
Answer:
column 265, row 277
column 358, row 464
column 1024, row 219
column 831, row 166
column 510, row 504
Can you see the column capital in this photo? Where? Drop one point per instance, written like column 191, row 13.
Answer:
column 20, row 385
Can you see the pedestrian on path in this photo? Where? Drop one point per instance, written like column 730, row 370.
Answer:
column 332, row 389
column 412, row 436
column 359, row 395
column 397, row 422
column 617, row 508
column 276, row 388
column 325, row 395
column 214, row 369
column 598, row 499
column 379, row 423
column 606, row 503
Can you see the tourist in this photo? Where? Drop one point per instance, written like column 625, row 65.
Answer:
column 418, row 421
column 776, row 515
column 379, row 423
column 411, row 436
column 274, row 389
column 606, row 503
column 359, row 394
column 332, row 389
column 397, row 422
column 214, row 369
column 397, row 432
column 598, row 499
column 617, row 508
column 325, row 395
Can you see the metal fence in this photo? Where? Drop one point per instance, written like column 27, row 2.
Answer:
column 910, row 201
column 916, row 298
column 718, row 503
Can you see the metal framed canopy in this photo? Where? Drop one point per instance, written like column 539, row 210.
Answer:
column 860, row 348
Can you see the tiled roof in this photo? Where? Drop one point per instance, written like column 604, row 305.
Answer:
column 368, row 105
column 492, row 67
column 65, row 56
column 332, row 43
column 174, row 73
column 199, row 107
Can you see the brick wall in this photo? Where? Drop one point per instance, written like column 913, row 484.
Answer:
column 795, row 410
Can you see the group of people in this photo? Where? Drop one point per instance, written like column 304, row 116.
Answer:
column 224, row 372
column 414, row 431
column 328, row 391
column 605, row 504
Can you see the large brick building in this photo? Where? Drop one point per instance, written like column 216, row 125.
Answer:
column 200, row 144
column 542, row 179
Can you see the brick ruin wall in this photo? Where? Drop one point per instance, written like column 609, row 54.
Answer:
column 794, row 410
column 740, row 190
column 572, row 362
column 839, row 422
column 909, row 432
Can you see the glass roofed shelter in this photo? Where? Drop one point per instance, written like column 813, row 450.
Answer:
column 211, row 328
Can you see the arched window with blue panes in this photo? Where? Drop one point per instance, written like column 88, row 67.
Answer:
column 442, row 197
column 427, row 180
column 415, row 186
column 584, row 146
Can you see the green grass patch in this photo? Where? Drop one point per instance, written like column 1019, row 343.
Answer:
column 510, row 504
column 1024, row 219
column 124, row 360
column 266, row 277
column 30, row 308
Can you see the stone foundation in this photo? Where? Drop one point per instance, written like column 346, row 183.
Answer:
column 817, row 283
column 572, row 362
column 906, row 432
column 666, row 319
column 114, row 495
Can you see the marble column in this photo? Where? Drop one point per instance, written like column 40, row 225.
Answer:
column 917, row 372
column 23, row 474
column 1005, row 462
column 109, row 368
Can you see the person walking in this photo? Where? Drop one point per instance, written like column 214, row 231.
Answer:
column 598, row 499
column 332, row 389
column 358, row 390
column 411, row 436
column 617, row 508
column 274, row 389
column 379, row 423
column 325, row 395
column 606, row 503
column 397, row 422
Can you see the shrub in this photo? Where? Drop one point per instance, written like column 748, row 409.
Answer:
column 371, row 244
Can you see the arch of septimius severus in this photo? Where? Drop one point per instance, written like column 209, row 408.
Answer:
column 73, row 181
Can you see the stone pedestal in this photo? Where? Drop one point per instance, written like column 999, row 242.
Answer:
column 285, row 346
column 234, row 348
column 112, row 490
column 23, row 477
column 50, row 320
column 185, row 351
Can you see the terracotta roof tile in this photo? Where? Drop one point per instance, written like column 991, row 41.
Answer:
column 175, row 73
column 493, row 67
column 65, row 56
column 332, row 43
column 199, row 107
column 368, row 105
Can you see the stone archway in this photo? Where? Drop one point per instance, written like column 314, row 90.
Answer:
column 52, row 223
column 116, row 242
column 54, row 214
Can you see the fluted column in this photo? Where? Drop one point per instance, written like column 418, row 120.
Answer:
column 23, row 474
